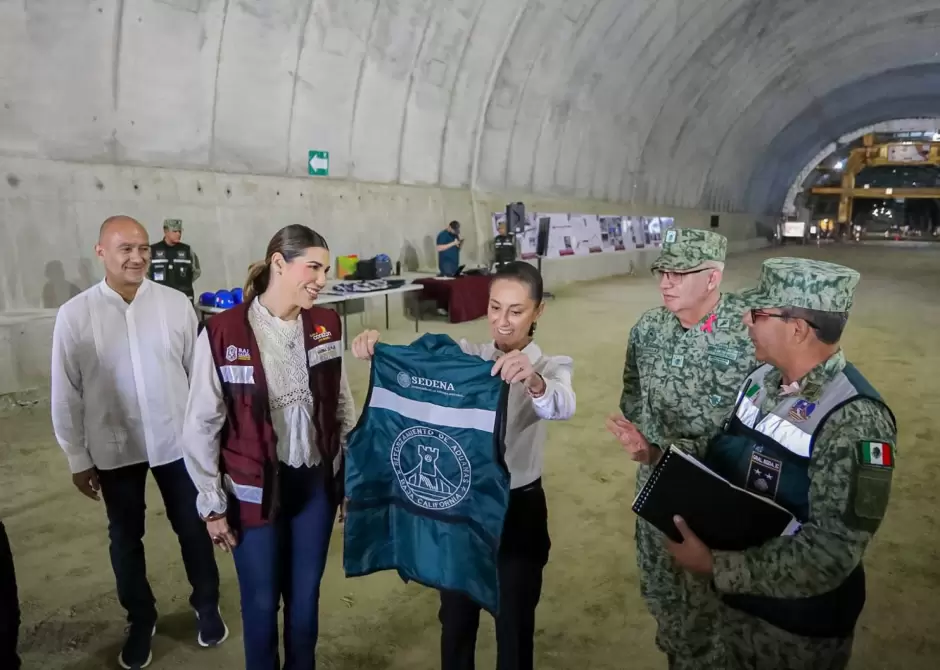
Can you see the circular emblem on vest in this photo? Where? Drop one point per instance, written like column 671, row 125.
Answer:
column 403, row 379
column 231, row 353
column 432, row 469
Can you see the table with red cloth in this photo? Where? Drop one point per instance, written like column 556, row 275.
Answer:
column 465, row 298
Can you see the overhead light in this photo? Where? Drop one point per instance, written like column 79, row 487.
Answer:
column 839, row 165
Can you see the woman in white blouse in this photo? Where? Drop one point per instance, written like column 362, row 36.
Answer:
column 541, row 389
column 266, row 423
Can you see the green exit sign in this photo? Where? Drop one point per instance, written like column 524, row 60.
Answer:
column 318, row 163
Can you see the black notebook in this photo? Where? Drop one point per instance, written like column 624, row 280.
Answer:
column 724, row 516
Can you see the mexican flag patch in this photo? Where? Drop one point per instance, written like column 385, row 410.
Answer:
column 879, row 454
column 751, row 392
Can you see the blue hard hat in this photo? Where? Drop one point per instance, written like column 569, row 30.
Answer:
column 224, row 300
column 207, row 299
column 238, row 294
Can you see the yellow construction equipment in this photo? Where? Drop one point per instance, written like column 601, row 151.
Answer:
column 874, row 155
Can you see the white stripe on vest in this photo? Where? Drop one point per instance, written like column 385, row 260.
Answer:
column 455, row 417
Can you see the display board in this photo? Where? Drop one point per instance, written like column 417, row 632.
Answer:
column 582, row 234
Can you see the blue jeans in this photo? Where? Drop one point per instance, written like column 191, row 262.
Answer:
column 286, row 559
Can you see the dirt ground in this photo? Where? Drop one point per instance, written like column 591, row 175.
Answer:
column 591, row 615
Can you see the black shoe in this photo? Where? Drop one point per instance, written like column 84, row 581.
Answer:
column 136, row 653
column 212, row 629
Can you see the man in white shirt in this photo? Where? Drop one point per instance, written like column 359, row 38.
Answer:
column 121, row 359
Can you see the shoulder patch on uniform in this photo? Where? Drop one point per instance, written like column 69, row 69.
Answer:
column 876, row 454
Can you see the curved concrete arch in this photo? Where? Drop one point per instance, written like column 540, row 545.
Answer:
column 664, row 102
column 872, row 100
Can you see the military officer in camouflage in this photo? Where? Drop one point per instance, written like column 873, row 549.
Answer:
column 684, row 364
column 809, row 432
column 172, row 262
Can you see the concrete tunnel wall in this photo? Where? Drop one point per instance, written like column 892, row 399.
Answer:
column 430, row 111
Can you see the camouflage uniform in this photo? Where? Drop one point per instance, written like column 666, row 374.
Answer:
column 833, row 440
column 681, row 384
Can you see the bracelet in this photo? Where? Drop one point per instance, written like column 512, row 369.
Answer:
column 542, row 394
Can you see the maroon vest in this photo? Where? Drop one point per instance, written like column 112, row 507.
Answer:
column 248, row 442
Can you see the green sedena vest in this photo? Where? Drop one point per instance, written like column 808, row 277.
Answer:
column 426, row 477
column 769, row 454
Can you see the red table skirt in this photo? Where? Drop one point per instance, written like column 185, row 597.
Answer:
column 465, row 298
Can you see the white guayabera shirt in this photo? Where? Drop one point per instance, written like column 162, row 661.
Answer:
column 120, row 376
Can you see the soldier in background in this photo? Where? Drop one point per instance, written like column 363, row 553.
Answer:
column 173, row 263
column 812, row 434
column 504, row 247
column 684, row 363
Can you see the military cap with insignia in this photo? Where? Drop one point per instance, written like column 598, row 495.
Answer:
column 687, row 249
column 173, row 225
column 803, row 283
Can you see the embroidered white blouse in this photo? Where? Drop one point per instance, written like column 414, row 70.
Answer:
column 284, row 359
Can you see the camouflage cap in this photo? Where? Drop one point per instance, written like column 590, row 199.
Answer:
column 173, row 225
column 690, row 248
column 805, row 283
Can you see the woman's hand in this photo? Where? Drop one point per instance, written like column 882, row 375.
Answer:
column 516, row 367
column 363, row 347
column 222, row 536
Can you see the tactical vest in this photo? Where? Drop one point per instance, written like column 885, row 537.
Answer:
column 172, row 266
column 248, row 442
column 504, row 249
column 770, row 455
column 426, row 479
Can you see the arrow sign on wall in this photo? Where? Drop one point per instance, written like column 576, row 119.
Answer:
column 318, row 163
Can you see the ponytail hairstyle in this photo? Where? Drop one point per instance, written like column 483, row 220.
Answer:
column 290, row 241
column 527, row 275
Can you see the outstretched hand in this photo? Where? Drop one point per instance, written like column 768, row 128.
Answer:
column 632, row 440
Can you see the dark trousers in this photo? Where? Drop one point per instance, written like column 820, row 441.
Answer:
column 286, row 559
column 9, row 606
column 123, row 490
column 523, row 553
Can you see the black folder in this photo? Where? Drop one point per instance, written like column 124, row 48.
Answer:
column 724, row 516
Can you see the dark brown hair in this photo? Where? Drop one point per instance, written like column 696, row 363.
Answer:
column 290, row 241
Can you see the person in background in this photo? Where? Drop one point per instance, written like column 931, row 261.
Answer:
column 9, row 606
column 268, row 413
column 174, row 263
column 812, row 434
column 541, row 390
column 683, row 366
column 121, row 360
column 504, row 247
column 448, row 249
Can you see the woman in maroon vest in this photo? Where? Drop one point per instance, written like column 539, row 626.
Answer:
column 266, row 422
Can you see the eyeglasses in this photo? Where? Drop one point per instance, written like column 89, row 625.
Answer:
column 786, row 317
column 677, row 277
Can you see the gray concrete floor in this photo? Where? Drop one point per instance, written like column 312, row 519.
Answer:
column 591, row 615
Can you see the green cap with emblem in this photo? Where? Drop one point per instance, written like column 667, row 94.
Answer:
column 173, row 225
column 689, row 249
column 804, row 283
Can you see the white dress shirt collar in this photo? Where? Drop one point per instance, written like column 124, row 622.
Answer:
column 111, row 294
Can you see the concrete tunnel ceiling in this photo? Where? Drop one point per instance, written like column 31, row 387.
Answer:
column 671, row 102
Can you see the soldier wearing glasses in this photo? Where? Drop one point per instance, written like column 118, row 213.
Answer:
column 684, row 364
column 811, row 433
